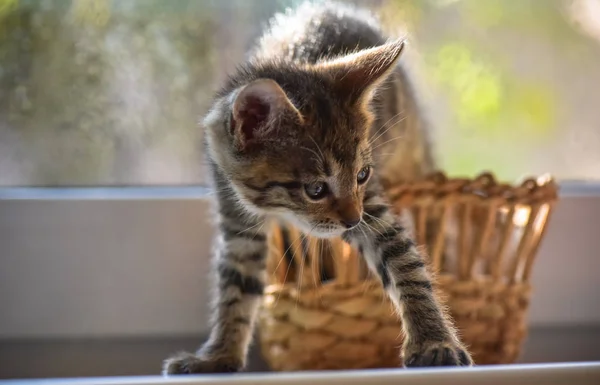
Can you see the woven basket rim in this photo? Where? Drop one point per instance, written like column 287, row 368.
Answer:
column 485, row 185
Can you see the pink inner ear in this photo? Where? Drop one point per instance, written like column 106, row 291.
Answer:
column 252, row 116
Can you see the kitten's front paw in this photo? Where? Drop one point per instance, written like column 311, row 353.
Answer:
column 188, row 363
column 437, row 354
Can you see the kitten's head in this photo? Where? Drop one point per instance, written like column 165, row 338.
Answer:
column 293, row 140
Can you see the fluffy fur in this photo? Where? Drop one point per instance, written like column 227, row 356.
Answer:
column 291, row 136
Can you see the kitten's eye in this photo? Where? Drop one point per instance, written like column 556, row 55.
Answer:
column 363, row 175
column 316, row 190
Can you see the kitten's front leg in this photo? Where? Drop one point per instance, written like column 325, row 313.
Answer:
column 240, row 268
column 430, row 338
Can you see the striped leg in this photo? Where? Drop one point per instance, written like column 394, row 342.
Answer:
column 430, row 338
column 240, row 271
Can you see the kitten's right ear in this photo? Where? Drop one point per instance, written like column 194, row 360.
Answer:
column 355, row 75
column 258, row 108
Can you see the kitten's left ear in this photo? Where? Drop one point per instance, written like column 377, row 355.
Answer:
column 359, row 73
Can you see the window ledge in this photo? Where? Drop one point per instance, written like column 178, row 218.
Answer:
column 568, row 189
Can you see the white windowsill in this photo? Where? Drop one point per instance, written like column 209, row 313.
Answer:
column 549, row 374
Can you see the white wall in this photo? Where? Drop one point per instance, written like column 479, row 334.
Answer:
column 124, row 267
column 103, row 267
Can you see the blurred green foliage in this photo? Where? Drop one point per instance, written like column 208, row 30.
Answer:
column 488, row 98
column 92, row 12
column 7, row 6
column 93, row 89
column 492, row 104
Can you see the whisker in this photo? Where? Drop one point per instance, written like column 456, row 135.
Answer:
column 318, row 148
column 321, row 247
column 277, row 267
column 251, row 227
column 318, row 157
column 378, row 220
column 361, row 229
column 376, row 134
column 299, row 282
column 371, row 227
column 258, row 231
column 387, row 141
column 384, row 154
column 289, row 265
column 311, row 255
column 364, row 284
column 399, row 120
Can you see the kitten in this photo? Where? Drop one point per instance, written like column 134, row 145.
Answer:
column 291, row 136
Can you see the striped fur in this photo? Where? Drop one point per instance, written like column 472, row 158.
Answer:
column 322, row 90
column 430, row 338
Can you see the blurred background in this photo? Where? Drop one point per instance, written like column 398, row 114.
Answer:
column 109, row 92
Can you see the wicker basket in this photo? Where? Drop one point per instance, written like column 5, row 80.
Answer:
column 324, row 310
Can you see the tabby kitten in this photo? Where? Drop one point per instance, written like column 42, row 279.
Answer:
column 291, row 137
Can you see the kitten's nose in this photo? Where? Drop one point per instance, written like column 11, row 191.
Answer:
column 349, row 212
column 350, row 222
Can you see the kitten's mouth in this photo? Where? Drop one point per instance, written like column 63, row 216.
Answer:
column 319, row 230
column 322, row 231
column 328, row 232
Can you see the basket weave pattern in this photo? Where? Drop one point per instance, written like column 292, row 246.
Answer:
column 324, row 310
